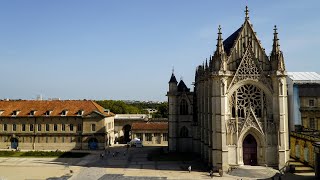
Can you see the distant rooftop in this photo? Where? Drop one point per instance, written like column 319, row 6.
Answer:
column 304, row 77
column 131, row 116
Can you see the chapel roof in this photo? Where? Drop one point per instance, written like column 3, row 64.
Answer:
column 182, row 87
column 150, row 126
column 228, row 43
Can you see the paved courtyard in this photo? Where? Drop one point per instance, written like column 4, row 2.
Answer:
column 128, row 164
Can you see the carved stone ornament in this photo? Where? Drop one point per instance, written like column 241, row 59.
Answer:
column 251, row 121
column 231, row 126
column 249, row 69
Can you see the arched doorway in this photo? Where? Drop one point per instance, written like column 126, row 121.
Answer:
column 93, row 143
column 127, row 133
column 250, row 150
column 14, row 143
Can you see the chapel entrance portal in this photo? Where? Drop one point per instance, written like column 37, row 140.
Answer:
column 250, row 150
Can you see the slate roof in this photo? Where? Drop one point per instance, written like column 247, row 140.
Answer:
column 304, row 77
column 228, row 43
column 24, row 107
column 173, row 79
column 182, row 87
column 150, row 126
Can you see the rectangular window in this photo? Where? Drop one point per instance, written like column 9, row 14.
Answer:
column 39, row 127
column 63, row 127
column 79, row 128
column 47, row 127
column 312, row 123
column 311, row 102
column 14, row 127
column 93, row 127
column 31, row 127
column 5, row 127
column 165, row 136
column 71, row 127
column 23, row 128
column 148, row 136
column 62, row 139
column 55, row 127
column 79, row 139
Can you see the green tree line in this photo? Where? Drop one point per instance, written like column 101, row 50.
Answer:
column 121, row 107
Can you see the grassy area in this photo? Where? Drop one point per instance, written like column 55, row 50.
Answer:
column 42, row 154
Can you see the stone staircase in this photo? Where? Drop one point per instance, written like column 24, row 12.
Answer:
column 301, row 169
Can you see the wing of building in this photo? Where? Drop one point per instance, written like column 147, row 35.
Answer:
column 238, row 111
column 304, row 100
column 55, row 124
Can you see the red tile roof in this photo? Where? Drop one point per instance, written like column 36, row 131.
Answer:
column 150, row 126
column 24, row 107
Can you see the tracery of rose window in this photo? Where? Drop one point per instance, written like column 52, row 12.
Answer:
column 245, row 98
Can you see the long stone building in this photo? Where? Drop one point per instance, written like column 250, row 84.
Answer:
column 238, row 111
column 55, row 124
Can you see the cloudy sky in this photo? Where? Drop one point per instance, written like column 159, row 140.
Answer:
column 125, row 49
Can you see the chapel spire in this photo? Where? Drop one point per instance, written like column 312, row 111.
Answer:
column 247, row 13
column 276, row 45
column 220, row 48
column 277, row 60
column 219, row 55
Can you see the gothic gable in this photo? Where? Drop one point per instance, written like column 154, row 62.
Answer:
column 250, row 121
column 245, row 36
column 250, row 68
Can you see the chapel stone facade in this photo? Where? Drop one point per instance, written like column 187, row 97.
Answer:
column 238, row 112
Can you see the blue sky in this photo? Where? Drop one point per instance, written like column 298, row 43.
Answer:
column 125, row 49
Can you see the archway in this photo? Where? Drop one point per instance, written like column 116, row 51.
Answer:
column 93, row 143
column 127, row 133
column 249, row 150
column 14, row 143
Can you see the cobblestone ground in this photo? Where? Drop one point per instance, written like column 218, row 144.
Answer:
column 129, row 164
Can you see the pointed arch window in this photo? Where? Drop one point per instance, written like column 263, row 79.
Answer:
column 248, row 98
column 184, row 132
column 184, row 107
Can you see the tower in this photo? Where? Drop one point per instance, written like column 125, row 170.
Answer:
column 180, row 101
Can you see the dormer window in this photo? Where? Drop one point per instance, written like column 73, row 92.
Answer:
column 107, row 111
column 64, row 112
column 15, row 113
column 32, row 113
column 80, row 112
column 48, row 113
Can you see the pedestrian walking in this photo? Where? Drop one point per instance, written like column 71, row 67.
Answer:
column 211, row 173
column 189, row 169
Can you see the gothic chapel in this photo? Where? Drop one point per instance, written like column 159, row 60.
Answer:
column 238, row 112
